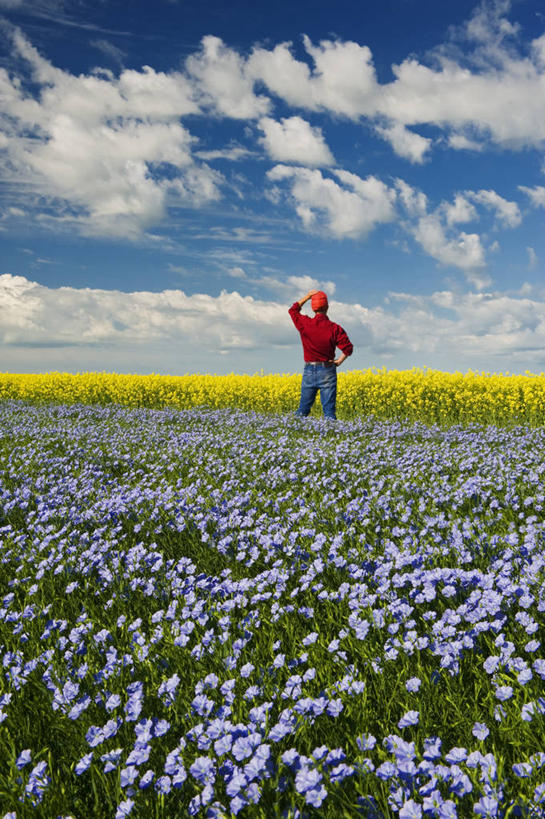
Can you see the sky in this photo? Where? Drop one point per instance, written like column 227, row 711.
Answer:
column 175, row 174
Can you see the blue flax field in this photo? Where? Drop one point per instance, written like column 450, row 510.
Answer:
column 217, row 613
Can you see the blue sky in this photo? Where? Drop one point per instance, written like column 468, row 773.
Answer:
column 175, row 174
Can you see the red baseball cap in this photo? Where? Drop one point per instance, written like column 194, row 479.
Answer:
column 318, row 300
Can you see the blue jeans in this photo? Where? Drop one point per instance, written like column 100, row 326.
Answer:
column 319, row 378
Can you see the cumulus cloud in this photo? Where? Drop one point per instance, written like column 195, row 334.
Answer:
column 436, row 232
column 507, row 212
column 70, row 328
column 405, row 143
column 342, row 80
column 536, row 195
column 111, row 150
column 224, row 81
column 347, row 210
column 461, row 142
column 491, row 93
column 465, row 251
column 459, row 211
column 436, row 229
column 39, row 316
column 294, row 140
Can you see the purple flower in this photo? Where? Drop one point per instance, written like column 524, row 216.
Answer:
column 524, row 676
column 111, row 759
column 366, row 742
column 410, row 718
column 340, row 772
column 432, row 748
column 83, row 764
column 456, row 755
column 94, row 736
column 236, row 784
column 487, row 806
column 146, row 780
column 307, row 779
column 124, row 808
column 491, row 664
column 23, row 759
column 504, row 692
column 242, row 748
column 128, row 775
column 163, row 784
column 413, row 684
column 315, row 796
column 410, row 810
column 113, row 702
column 335, row 707
column 539, row 794
column 480, row 730
column 522, row 769
column 139, row 754
column 161, row 728
column 203, row 770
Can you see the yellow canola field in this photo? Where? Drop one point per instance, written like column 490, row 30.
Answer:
column 418, row 394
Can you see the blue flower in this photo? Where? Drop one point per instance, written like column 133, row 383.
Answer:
column 128, row 776
column 146, row 779
column 124, row 808
column 366, row 742
column 456, row 755
column 410, row 810
column 480, row 730
column 410, row 718
column 487, row 806
column 163, row 784
column 23, row 759
column 203, row 770
column 83, row 763
column 307, row 779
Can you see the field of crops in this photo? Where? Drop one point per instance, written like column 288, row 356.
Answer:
column 218, row 613
column 425, row 395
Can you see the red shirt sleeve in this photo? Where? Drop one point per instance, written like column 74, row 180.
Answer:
column 296, row 317
column 343, row 342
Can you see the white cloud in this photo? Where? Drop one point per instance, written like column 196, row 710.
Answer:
column 224, row 82
column 294, row 140
column 536, row 194
column 40, row 316
column 464, row 251
column 291, row 288
column 460, row 142
column 460, row 211
column 233, row 153
column 414, row 201
column 73, row 329
column 97, row 144
column 436, row 233
column 507, row 212
column 345, row 212
column 532, row 258
column 342, row 81
column 493, row 92
column 110, row 50
column 405, row 143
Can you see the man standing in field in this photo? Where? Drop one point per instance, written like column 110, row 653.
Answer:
column 320, row 338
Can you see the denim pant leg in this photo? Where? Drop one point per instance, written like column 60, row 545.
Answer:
column 309, row 388
column 328, row 391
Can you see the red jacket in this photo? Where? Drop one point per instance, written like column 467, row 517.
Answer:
column 319, row 335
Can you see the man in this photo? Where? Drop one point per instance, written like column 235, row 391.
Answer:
column 320, row 338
